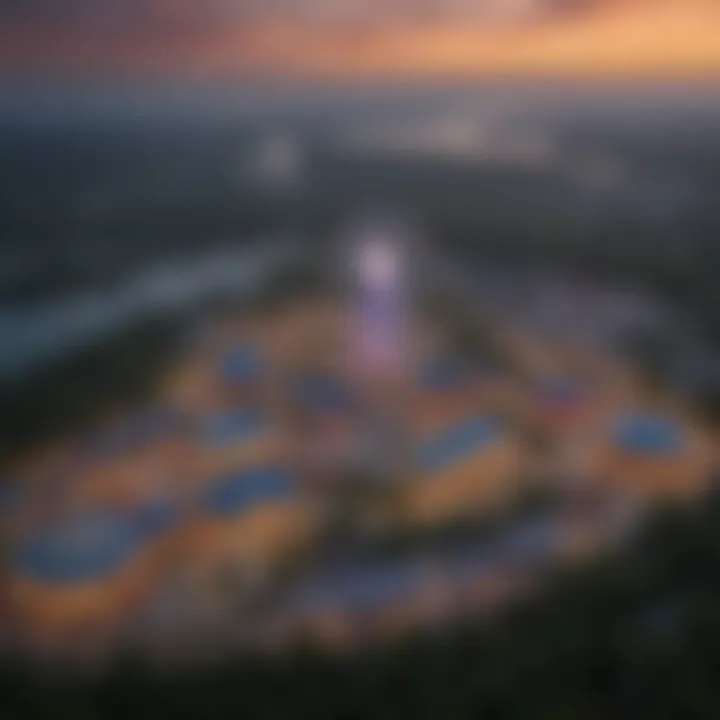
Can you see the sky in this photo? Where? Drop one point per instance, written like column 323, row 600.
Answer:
column 342, row 38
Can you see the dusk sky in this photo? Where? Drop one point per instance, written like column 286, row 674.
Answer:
column 359, row 37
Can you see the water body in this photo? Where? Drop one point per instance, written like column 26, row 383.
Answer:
column 34, row 334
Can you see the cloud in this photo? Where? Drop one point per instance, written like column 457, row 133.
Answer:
column 341, row 37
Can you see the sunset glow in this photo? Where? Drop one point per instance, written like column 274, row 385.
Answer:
column 598, row 37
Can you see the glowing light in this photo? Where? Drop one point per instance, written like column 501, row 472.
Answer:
column 379, row 265
column 379, row 305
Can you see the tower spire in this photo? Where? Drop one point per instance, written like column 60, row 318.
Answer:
column 380, row 322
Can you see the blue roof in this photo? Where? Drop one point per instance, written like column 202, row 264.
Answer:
column 647, row 434
column 92, row 545
column 235, row 426
column 445, row 374
column 323, row 393
column 79, row 550
column 461, row 440
column 235, row 493
column 242, row 364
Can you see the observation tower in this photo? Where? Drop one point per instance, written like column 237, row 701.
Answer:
column 379, row 341
column 380, row 307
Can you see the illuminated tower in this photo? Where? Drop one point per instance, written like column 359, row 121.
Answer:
column 380, row 325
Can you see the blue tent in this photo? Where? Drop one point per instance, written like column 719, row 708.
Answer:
column 92, row 545
column 647, row 434
column 237, row 492
column 458, row 442
column 235, row 426
column 79, row 550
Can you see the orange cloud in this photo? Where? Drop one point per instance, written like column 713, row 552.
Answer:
column 615, row 38
column 611, row 37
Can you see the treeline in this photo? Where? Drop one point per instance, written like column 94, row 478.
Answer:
column 120, row 369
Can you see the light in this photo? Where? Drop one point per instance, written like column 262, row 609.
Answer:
column 379, row 273
column 378, row 264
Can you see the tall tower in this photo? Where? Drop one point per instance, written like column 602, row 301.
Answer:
column 380, row 323
column 379, row 334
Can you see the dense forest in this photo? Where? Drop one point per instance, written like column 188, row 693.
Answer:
column 121, row 369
